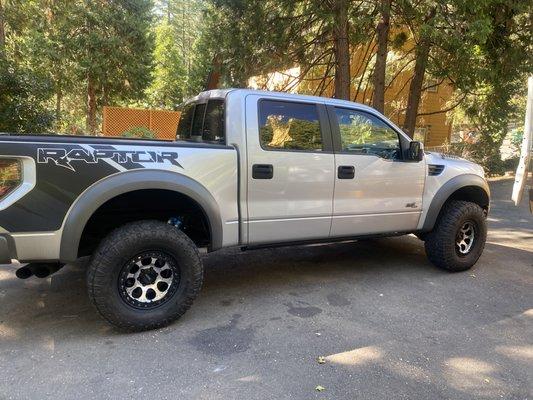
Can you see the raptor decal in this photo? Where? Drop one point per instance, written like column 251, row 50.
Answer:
column 68, row 158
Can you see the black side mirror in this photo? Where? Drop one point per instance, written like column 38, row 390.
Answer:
column 415, row 152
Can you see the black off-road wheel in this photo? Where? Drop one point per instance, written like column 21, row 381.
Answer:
column 144, row 275
column 458, row 239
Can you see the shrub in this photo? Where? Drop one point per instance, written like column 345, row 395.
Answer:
column 139, row 132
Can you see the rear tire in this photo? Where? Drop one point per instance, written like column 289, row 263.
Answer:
column 144, row 275
column 458, row 238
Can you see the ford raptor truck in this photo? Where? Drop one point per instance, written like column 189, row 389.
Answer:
column 249, row 169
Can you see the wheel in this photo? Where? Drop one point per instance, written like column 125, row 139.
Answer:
column 144, row 275
column 458, row 238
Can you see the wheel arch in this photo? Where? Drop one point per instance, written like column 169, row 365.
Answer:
column 467, row 187
column 124, row 182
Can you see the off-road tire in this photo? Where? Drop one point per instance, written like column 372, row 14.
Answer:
column 120, row 246
column 440, row 243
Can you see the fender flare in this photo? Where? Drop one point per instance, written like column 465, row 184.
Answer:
column 446, row 190
column 114, row 185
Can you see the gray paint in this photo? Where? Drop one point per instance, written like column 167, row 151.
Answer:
column 446, row 190
column 7, row 249
column 125, row 182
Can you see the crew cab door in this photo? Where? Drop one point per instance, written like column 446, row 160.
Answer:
column 290, row 170
column 376, row 191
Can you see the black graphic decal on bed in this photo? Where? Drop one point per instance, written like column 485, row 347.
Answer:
column 65, row 158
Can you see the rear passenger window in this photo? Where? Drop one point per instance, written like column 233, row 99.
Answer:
column 286, row 125
column 203, row 122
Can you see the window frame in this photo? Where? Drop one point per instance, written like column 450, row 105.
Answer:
column 195, row 105
column 323, row 122
column 337, row 141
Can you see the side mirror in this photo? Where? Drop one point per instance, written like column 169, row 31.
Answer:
column 415, row 152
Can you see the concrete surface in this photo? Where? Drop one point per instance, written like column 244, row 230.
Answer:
column 390, row 325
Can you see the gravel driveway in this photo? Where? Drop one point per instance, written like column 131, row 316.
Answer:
column 389, row 324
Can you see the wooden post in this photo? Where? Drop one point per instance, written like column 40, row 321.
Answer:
column 527, row 144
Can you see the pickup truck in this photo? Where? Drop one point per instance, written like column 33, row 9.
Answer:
column 248, row 168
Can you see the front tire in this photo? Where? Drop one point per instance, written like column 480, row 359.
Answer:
column 458, row 238
column 144, row 275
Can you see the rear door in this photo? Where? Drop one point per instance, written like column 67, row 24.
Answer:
column 376, row 191
column 290, row 170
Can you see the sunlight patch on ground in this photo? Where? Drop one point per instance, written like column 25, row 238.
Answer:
column 524, row 353
column 528, row 313
column 7, row 332
column 249, row 378
column 473, row 376
column 510, row 238
column 49, row 343
column 409, row 371
column 6, row 273
column 356, row 356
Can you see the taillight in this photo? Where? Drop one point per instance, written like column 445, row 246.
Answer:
column 10, row 175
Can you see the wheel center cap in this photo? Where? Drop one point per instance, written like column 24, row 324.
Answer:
column 147, row 276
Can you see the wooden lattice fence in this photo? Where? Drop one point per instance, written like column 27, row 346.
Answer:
column 117, row 120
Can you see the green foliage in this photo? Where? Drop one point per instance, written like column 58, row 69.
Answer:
column 23, row 96
column 175, row 56
column 105, row 45
column 167, row 88
column 115, row 47
column 139, row 132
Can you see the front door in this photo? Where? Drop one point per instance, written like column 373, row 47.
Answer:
column 375, row 190
column 290, row 170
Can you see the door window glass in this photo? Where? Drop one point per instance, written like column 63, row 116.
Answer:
column 286, row 125
column 363, row 133
column 214, row 122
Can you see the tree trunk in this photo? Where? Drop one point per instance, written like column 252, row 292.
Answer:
column 213, row 78
column 2, row 30
column 378, row 99
column 91, row 106
column 341, row 50
column 415, row 88
column 59, row 98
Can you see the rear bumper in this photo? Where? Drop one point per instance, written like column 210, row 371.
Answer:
column 8, row 250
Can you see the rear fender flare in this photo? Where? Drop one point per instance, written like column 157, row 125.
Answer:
column 106, row 189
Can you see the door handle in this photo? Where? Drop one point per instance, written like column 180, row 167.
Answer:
column 346, row 172
column 262, row 171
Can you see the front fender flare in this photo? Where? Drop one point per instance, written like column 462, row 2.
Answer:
column 106, row 189
column 446, row 190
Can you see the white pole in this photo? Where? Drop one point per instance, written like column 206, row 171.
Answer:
column 527, row 143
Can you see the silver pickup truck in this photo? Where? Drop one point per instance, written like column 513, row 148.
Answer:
column 249, row 169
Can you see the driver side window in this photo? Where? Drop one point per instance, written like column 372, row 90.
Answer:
column 363, row 133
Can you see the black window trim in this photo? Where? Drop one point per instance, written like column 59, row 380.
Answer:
column 323, row 120
column 335, row 128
